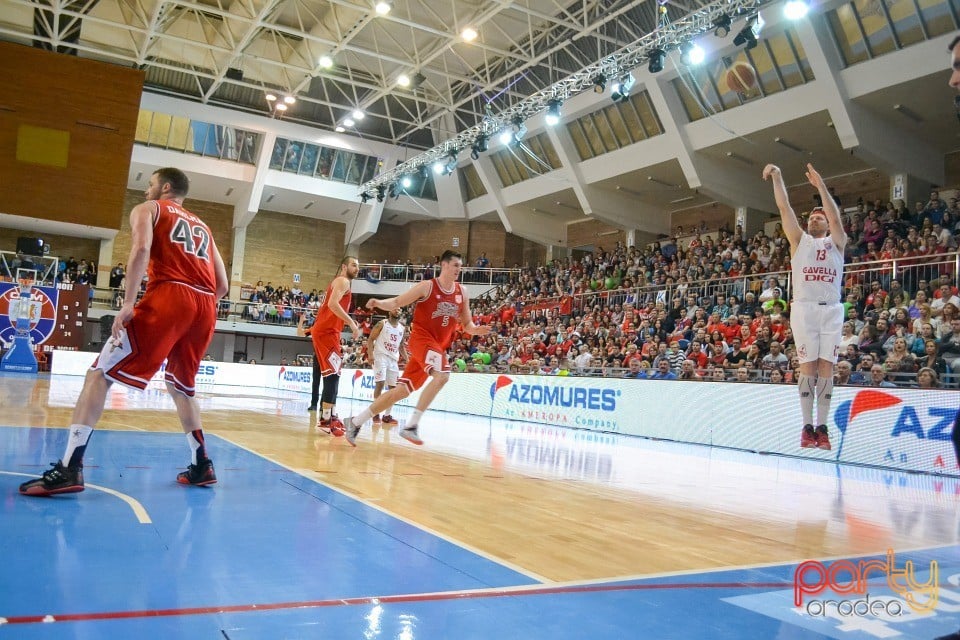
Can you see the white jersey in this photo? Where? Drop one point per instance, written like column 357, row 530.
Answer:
column 388, row 342
column 817, row 270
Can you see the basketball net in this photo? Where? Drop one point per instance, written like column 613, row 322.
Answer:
column 25, row 280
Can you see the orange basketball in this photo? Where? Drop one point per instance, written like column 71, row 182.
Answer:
column 740, row 78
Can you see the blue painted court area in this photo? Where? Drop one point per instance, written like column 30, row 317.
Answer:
column 268, row 553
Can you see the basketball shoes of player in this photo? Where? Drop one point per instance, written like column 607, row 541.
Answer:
column 352, row 432
column 332, row 427
column 199, row 475
column 389, row 419
column 410, row 434
column 377, row 419
column 808, row 439
column 823, row 438
column 58, row 479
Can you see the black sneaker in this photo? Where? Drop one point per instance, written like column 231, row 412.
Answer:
column 59, row 479
column 410, row 433
column 312, row 407
column 199, row 475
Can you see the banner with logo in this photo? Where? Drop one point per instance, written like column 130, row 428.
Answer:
column 895, row 428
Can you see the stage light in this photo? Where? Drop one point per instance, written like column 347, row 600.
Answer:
column 553, row 111
column 621, row 89
column 469, row 34
column 479, row 146
column 348, row 122
column 691, row 54
column 747, row 38
column 795, row 9
column 438, row 167
column 406, row 182
column 326, row 62
column 382, row 8
column 599, row 83
column 506, row 136
column 358, row 115
column 721, row 26
column 381, row 192
column 364, row 197
column 340, row 128
column 657, row 57
column 403, row 80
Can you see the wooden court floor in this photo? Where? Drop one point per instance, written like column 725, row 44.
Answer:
column 557, row 504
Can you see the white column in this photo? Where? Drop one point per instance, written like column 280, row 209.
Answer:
column 236, row 269
column 105, row 263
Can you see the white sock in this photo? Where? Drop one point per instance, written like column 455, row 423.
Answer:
column 414, row 419
column 77, row 439
column 326, row 412
column 824, row 396
column 807, row 387
column 362, row 417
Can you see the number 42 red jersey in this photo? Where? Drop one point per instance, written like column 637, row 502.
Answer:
column 182, row 249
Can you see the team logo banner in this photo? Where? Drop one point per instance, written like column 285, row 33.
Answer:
column 41, row 309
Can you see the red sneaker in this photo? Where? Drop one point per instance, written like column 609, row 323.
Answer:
column 823, row 438
column 376, row 419
column 389, row 419
column 808, row 438
column 332, row 427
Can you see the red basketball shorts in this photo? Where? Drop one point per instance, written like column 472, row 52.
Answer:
column 172, row 322
column 426, row 358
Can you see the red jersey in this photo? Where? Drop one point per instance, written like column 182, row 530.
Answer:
column 182, row 249
column 327, row 323
column 437, row 316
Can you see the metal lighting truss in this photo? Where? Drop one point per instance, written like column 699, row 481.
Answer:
column 666, row 37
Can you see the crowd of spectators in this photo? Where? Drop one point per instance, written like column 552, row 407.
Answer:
column 707, row 307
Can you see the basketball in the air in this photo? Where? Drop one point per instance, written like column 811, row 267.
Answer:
column 740, row 78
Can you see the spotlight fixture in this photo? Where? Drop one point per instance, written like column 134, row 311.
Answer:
column 469, row 34
column 553, row 111
column 289, row 99
column 479, row 146
column 620, row 90
column 506, row 136
column 364, row 197
column 392, row 191
column 348, row 122
column 747, row 38
column 358, row 115
column 406, row 182
column 281, row 106
column 382, row 8
column 438, row 167
column 656, row 57
column 403, row 80
column 691, row 54
column 519, row 129
column 325, row 62
column 721, row 26
column 381, row 193
column 599, row 83
column 795, row 9
column 340, row 128
column 271, row 97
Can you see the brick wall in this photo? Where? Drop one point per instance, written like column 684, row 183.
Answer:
column 869, row 185
column 279, row 245
column 429, row 238
column 713, row 214
column 594, row 233
column 388, row 243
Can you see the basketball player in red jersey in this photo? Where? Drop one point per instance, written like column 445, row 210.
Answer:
column 334, row 313
column 441, row 304
column 174, row 320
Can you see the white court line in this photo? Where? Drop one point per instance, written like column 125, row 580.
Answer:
column 417, row 525
column 138, row 509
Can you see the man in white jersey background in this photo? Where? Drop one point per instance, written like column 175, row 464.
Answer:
column 816, row 258
column 384, row 346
